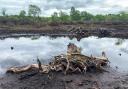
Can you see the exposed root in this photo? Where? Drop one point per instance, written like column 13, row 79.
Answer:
column 72, row 62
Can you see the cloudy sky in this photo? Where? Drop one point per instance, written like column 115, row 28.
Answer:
column 49, row 6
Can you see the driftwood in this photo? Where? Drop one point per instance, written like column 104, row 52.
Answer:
column 73, row 61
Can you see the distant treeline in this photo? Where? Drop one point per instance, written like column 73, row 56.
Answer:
column 33, row 17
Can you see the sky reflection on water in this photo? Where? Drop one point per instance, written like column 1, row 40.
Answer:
column 26, row 50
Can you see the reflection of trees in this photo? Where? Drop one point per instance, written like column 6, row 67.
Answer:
column 35, row 37
column 70, row 37
column 52, row 37
column 3, row 38
column 119, row 41
column 124, row 50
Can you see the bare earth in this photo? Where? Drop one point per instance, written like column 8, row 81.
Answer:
column 55, row 80
column 119, row 30
column 34, row 80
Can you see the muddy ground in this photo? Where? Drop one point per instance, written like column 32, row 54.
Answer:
column 119, row 30
column 91, row 80
column 55, row 80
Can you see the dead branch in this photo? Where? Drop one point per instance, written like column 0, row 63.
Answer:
column 39, row 64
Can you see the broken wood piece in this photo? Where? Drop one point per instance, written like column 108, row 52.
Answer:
column 19, row 69
column 39, row 64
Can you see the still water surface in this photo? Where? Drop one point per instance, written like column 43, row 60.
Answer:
column 26, row 50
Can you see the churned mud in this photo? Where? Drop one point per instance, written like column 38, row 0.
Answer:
column 54, row 80
column 115, row 29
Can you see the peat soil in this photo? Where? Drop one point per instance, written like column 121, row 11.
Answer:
column 118, row 30
column 57, row 80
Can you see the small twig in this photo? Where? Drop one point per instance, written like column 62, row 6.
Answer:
column 39, row 64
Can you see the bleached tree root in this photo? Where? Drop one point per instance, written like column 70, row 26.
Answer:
column 72, row 62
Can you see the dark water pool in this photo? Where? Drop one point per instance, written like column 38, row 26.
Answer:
column 26, row 50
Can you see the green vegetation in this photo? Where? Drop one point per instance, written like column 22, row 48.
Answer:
column 22, row 13
column 3, row 11
column 33, row 17
column 34, row 11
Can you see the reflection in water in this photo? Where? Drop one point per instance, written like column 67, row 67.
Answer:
column 124, row 50
column 119, row 41
column 26, row 50
column 35, row 37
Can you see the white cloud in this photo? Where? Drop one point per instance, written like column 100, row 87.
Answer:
column 49, row 6
column 122, row 3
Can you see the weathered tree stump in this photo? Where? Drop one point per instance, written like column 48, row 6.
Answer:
column 71, row 62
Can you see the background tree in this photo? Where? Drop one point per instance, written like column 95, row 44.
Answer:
column 64, row 17
column 22, row 13
column 75, row 14
column 34, row 11
column 55, row 17
column 99, row 18
column 85, row 16
column 123, row 16
column 3, row 11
